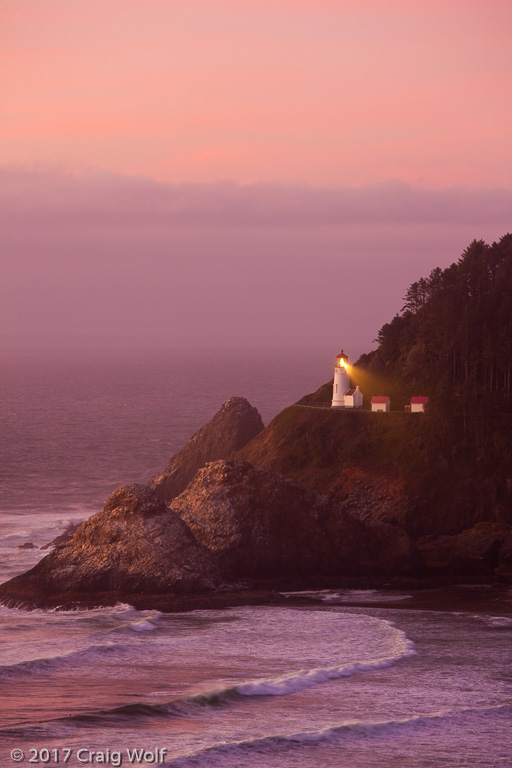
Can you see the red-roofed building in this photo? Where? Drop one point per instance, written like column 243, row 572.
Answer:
column 380, row 403
column 418, row 404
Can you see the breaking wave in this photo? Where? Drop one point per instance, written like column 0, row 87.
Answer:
column 195, row 705
column 336, row 734
column 51, row 663
column 497, row 622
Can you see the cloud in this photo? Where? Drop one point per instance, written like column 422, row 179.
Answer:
column 108, row 199
column 100, row 256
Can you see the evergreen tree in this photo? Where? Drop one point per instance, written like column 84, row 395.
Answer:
column 454, row 332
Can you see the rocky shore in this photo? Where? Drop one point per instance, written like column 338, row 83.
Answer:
column 242, row 514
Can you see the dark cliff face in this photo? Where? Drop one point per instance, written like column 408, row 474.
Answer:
column 260, row 524
column 354, row 457
column 482, row 551
column 389, row 472
column 232, row 427
column 136, row 544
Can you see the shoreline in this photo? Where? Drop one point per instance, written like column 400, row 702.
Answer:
column 484, row 599
column 487, row 599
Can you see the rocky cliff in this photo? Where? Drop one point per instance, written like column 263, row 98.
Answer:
column 135, row 545
column 235, row 424
column 318, row 497
column 260, row 524
column 234, row 521
column 393, row 475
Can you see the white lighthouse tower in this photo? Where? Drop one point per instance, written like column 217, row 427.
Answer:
column 341, row 381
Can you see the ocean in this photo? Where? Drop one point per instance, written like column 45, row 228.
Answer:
column 324, row 684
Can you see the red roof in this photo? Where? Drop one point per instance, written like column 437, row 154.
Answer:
column 419, row 400
column 350, row 392
column 342, row 354
column 380, row 399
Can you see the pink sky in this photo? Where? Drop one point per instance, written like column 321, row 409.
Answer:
column 331, row 103
column 321, row 92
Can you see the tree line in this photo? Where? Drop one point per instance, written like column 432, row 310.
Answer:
column 453, row 336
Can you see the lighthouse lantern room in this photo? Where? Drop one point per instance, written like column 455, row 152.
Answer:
column 341, row 381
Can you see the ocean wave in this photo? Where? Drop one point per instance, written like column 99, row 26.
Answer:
column 142, row 625
column 43, row 665
column 128, row 715
column 350, row 595
column 335, row 734
column 193, row 706
column 120, row 615
column 297, row 681
column 279, row 686
column 140, row 621
column 365, row 596
column 497, row 622
column 39, row 528
column 186, row 707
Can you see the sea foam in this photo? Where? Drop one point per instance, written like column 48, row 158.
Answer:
column 293, row 682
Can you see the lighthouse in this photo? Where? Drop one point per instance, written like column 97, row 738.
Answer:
column 341, row 381
column 343, row 395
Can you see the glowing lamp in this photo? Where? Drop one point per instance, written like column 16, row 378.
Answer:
column 341, row 383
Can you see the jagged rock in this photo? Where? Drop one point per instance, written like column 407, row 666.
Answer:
column 62, row 537
column 371, row 500
column 260, row 524
column 505, row 558
column 136, row 544
column 232, row 427
column 479, row 552
column 27, row 545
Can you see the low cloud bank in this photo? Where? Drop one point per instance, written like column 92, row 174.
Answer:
column 103, row 256
column 96, row 197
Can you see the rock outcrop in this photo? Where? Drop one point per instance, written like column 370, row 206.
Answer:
column 232, row 427
column 482, row 551
column 318, row 497
column 349, row 457
column 378, row 470
column 260, row 524
column 233, row 522
column 136, row 544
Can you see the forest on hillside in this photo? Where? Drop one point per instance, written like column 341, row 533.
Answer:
column 453, row 336
column 452, row 341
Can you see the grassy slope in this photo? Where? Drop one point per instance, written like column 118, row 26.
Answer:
column 405, row 456
column 331, row 451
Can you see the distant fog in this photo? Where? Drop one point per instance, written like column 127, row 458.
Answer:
column 103, row 259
